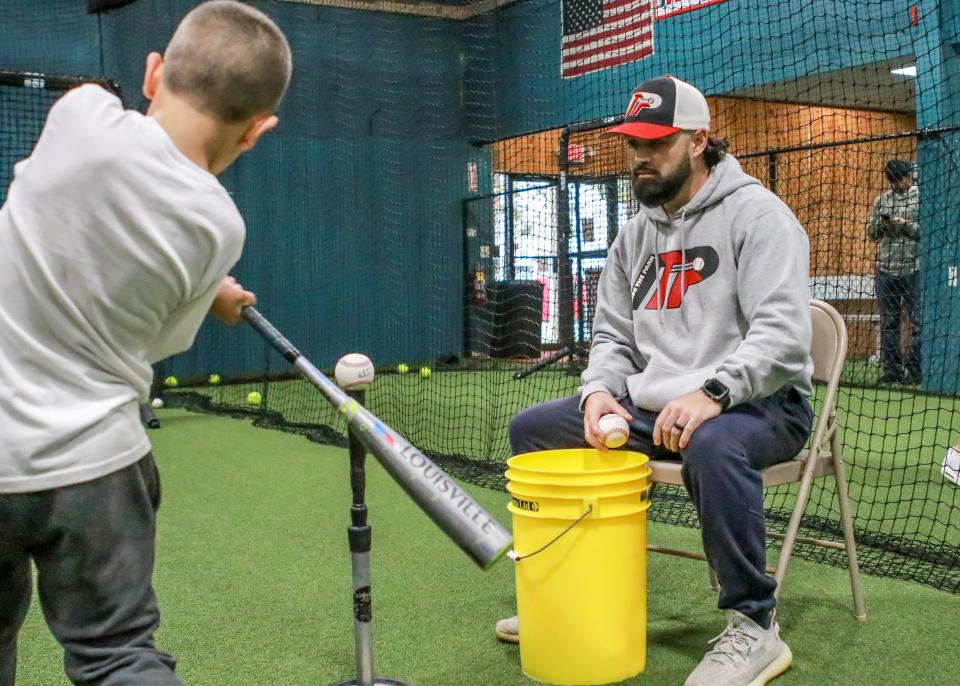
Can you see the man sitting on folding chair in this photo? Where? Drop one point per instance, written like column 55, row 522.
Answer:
column 702, row 343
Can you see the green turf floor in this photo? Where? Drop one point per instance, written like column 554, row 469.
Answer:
column 253, row 576
column 894, row 440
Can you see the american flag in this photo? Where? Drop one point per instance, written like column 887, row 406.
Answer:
column 604, row 33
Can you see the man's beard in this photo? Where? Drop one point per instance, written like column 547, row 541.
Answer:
column 660, row 190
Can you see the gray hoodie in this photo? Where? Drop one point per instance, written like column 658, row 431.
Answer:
column 721, row 289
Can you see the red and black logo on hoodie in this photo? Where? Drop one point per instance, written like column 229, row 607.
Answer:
column 675, row 276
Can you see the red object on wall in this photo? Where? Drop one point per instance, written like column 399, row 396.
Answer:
column 576, row 153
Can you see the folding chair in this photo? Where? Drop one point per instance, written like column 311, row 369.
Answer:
column 823, row 458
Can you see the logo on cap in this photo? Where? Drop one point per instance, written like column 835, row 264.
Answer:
column 641, row 101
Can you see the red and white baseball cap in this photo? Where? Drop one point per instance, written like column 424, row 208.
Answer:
column 662, row 106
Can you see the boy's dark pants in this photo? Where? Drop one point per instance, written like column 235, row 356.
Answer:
column 721, row 470
column 93, row 546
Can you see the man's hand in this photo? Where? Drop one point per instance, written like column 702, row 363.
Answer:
column 680, row 418
column 230, row 300
column 897, row 225
column 597, row 405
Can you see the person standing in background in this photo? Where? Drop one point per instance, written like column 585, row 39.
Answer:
column 895, row 228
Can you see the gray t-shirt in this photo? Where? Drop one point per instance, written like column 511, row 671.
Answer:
column 112, row 247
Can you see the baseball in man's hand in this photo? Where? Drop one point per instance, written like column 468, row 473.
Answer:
column 615, row 430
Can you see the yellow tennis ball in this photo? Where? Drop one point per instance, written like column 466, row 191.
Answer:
column 171, row 382
column 254, row 398
column 214, row 379
column 402, row 368
column 425, row 372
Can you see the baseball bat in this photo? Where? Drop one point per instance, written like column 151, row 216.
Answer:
column 147, row 416
column 447, row 504
column 545, row 362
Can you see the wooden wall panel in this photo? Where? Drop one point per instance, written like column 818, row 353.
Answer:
column 829, row 189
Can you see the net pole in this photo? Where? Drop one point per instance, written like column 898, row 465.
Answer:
column 564, row 275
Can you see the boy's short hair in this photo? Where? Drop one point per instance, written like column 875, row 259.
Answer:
column 228, row 60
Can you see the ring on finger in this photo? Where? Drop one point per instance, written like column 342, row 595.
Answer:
column 678, row 427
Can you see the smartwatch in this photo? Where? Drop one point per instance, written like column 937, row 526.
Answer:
column 717, row 391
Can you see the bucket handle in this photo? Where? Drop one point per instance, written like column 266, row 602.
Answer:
column 516, row 558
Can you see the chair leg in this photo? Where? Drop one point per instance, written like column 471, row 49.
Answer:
column 794, row 526
column 859, row 607
column 714, row 582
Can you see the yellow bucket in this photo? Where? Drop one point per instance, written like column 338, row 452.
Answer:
column 580, row 537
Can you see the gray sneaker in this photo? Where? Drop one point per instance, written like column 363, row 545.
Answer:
column 508, row 630
column 743, row 655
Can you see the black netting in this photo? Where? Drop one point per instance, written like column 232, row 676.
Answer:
column 23, row 110
column 25, row 98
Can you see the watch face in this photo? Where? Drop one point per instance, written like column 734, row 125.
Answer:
column 715, row 389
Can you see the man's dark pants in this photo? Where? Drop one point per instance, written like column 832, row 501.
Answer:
column 899, row 296
column 721, row 470
column 93, row 546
